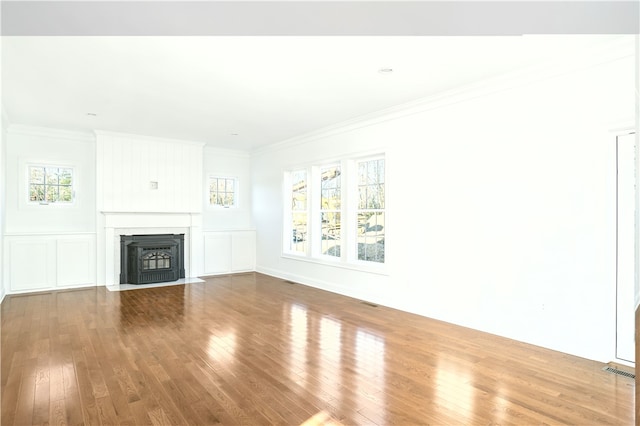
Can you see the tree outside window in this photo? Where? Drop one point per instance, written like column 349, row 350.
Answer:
column 222, row 191
column 371, row 208
column 336, row 212
column 330, row 210
column 50, row 184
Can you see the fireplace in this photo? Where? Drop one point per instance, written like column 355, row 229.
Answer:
column 154, row 258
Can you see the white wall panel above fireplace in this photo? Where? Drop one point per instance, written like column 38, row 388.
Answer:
column 144, row 174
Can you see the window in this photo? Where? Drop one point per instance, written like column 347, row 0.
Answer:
column 50, row 184
column 337, row 212
column 330, row 210
column 223, row 191
column 299, row 214
column 370, row 213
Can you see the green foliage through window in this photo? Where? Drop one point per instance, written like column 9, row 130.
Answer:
column 222, row 191
column 337, row 210
column 50, row 184
column 371, row 210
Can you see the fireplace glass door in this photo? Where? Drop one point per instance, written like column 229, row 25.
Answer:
column 156, row 260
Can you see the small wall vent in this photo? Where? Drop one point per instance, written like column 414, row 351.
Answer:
column 614, row 370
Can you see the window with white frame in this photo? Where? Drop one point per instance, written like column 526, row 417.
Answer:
column 223, row 191
column 330, row 210
column 371, row 209
column 337, row 211
column 49, row 184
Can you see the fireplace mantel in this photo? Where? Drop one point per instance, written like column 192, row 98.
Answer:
column 114, row 224
column 150, row 219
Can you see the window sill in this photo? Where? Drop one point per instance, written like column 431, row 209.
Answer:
column 38, row 205
column 378, row 269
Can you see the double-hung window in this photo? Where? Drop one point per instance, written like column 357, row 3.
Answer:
column 330, row 210
column 371, row 209
column 336, row 212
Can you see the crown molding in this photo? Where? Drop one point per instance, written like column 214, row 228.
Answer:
column 227, row 152
column 49, row 132
column 619, row 48
column 106, row 133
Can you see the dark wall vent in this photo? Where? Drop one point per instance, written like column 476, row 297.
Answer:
column 614, row 370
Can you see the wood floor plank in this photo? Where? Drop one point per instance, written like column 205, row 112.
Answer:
column 26, row 395
column 252, row 349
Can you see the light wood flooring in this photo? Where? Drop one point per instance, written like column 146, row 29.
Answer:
column 252, row 349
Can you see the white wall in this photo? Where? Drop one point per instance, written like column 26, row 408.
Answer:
column 60, row 237
column 501, row 208
column 49, row 146
column 637, row 127
column 3, row 138
column 219, row 162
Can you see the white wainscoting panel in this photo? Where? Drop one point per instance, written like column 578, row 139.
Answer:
column 76, row 262
column 47, row 262
column 31, row 264
column 217, row 253
column 229, row 252
column 243, row 251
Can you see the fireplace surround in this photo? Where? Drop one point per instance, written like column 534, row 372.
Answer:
column 151, row 258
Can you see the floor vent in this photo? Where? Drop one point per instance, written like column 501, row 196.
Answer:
column 373, row 305
column 619, row 372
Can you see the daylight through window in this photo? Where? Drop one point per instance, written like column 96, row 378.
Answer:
column 370, row 215
column 50, row 184
column 337, row 211
column 222, row 191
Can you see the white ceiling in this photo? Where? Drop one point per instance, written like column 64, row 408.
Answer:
column 245, row 92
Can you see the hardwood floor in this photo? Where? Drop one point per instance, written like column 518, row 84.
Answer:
column 252, row 349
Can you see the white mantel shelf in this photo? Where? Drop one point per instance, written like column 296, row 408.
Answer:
column 151, row 219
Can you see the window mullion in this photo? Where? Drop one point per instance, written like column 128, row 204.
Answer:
column 315, row 225
column 349, row 213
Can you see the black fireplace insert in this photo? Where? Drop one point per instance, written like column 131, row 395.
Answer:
column 154, row 258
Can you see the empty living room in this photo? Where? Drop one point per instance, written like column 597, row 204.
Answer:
column 195, row 199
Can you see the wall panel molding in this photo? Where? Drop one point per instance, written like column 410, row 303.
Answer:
column 49, row 261
column 228, row 252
